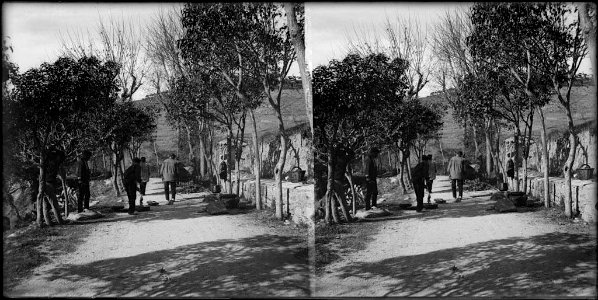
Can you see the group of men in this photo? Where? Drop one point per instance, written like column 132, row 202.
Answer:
column 135, row 178
column 139, row 173
column 422, row 177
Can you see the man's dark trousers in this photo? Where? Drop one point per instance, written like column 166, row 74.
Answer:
column 419, row 188
column 371, row 194
column 454, row 183
column 131, row 188
column 83, row 196
column 170, row 187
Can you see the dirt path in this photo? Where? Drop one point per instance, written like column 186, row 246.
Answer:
column 176, row 251
column 463, row 249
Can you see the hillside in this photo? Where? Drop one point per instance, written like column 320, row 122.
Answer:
column 292, row 108
column 583, row 108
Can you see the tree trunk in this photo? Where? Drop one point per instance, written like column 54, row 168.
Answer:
column 229, row 159
column 488, row 148
column 202, row 155
column 256, row 164
column 475, row 141
column 545, row 162
column 343, row 205
column 409, row 170
column 349, row 176
column 299, row 45
column 115, row 173
column 54, row 205
column 192, row 159
column 528, row 143
column 46, row 208
column 402, row 178
column 278, row 173
column 587, row 18
column 516, row 176
column 40, row 192
column 329, row 185
column 156, row 153
column 441, row 153
column 569, row 165
column 239, row 151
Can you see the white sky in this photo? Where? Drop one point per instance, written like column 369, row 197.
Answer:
column 35, row 28
column 329, row 25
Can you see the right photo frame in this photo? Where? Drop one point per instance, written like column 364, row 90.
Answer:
column 454, row 149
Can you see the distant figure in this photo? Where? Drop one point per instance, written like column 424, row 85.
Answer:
column 455, row 170
column 83, row 178
column 371, row 172
column 223, row 173
column 510, row 169
column 418, row 178
column 145, row 174
column 431, row 176
column 169, row 177
column 131, row 177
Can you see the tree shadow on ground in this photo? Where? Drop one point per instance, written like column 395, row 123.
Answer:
column 553, row 264
column 472, row 207
column 163, row 212
column 264, row 265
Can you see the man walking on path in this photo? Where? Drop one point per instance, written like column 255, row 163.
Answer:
column 145, row 174
column 169, row 177
column 431, row 176
column 418, row 177
column 455, row 170
column 371, row 172
column 131, row 177
column 83, row 177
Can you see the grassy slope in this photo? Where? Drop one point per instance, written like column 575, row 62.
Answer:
column 292, row 107
column 583, row 109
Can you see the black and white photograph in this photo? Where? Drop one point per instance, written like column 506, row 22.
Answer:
column 299, row 150
column 455, row 149
column 156, row 150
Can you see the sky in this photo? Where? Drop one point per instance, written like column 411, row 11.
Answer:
column 35, row 28
column 330, row 24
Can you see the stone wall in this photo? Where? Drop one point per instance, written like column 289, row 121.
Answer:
column 583, row 191
column 299, row 153
column 298, row 198
column 558, row 149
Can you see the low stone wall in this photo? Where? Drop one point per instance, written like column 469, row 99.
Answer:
column 583, row 191
column 298, row 198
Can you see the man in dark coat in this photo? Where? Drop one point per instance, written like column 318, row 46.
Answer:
column 418, row 177
column 223, row 173
column 131, row 178
column 83, row 177
column 371, row 172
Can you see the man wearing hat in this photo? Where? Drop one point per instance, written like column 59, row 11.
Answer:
column 371, row 172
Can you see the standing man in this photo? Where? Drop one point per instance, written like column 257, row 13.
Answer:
column 169, row 177
column 223, row 173
column 131, row 177
column 455, row 170
column 510, row 170
column 145, row 174
column 418, row 177
column 83, row 177
column 431, row 176
column 371, row 172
